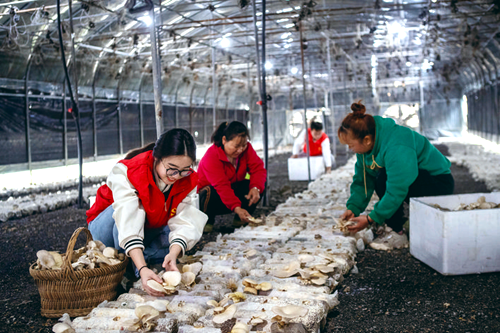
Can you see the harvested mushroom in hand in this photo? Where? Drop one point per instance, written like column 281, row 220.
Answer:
column 253, row 220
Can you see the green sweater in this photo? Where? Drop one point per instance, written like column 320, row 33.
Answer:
column 402, row 152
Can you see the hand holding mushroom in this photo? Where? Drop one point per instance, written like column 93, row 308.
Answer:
column 170, row 262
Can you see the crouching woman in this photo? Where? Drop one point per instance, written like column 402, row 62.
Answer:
column 223, row 175
column 148, row 207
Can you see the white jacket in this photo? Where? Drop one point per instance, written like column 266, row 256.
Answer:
column 186, row 227
column 298, row 146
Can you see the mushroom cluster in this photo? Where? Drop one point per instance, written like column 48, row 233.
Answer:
column 479, row 204
column 253, row 287
column 240, row 327
column 147, row 318
column 255, row 221
column 171, row 280
column 343, row 225
column 316, row 274
column 64, row 326
column 284, row 314
column 94, row 255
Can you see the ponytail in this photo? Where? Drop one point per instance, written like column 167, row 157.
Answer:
column 134, row 152
column 230, row 131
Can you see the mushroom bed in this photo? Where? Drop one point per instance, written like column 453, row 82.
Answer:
column 278, row 274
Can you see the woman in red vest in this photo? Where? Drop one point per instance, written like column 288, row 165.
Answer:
column 222, row 174
column 319, row 144
column 148, row 207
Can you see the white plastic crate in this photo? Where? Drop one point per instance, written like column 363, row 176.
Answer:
column 297, row 168
column 456, row 242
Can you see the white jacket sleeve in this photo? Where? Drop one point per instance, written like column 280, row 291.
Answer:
column 186, row 227
column 327, row 154
column 129, row 214
column 298, row 144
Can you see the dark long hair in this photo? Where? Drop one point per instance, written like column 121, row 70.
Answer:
column 230, row 131
column 175, row 142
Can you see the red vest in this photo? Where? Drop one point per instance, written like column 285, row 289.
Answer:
column 140, row 174
column 314, row 147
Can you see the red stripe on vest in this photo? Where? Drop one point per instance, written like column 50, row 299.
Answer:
column 140, row 174
column 314, row 147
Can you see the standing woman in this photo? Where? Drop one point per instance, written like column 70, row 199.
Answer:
column 397, row 163
column 223, row 172
column 149, row 206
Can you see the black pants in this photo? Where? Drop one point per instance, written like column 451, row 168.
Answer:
column 212, row 205
column 424, row 186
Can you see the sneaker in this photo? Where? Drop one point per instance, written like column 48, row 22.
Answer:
column 390, row 240
column 208, row 228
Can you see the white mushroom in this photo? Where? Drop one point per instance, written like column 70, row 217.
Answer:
column 240, row 327
column 155, row 286
column 45, row 259
column 265, row 286
column 58, row 259
column 158, row 304
column 305, row 258
column 194, row 268
column 290, row 270
column 226, row 315
column 62, row 328
column 146, row 312
column 250, row 290
column 290, row 311
column 172, row 278
column 212, row 303
column 110, row 252
column 188, row 278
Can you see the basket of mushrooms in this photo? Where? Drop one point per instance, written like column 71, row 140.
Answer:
column 77, row 281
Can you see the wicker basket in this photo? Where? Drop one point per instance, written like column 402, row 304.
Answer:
column 76, row 292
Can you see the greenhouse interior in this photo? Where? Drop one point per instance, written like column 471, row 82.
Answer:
column 210, row 166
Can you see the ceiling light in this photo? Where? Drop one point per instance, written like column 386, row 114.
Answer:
column 146, row 20
column 295, row 70
column 285, row 35
column 268, row 65
column 225, row 42
column 408, row 63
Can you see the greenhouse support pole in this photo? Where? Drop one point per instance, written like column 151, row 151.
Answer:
column 65, row 125
column 265, row 198
column 305, row 104
column 141, row 111
column 119, row 109
column 422, row 103
column 157, row 84
column 94, row 110
column 205, row 116
column 330, row 105
column 27, row 115
column 214, row 93
column 256, row 37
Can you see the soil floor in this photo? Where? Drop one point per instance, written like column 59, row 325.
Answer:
column 393, row 292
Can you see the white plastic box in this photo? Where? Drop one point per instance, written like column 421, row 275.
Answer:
column 456, row 242
column 297, row 168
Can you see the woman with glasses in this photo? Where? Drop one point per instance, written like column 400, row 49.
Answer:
column 148, row 207
column 223, row 175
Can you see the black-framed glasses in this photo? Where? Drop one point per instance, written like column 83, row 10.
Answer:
column 172, row 172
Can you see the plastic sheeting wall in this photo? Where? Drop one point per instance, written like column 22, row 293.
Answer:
column 484, row 112
column 54, row 138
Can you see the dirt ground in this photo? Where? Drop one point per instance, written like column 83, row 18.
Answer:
column 393, row 292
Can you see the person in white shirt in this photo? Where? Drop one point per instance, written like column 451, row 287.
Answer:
column 319, row 144
column 148, row 207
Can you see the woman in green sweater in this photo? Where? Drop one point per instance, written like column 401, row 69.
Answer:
column 397, row 163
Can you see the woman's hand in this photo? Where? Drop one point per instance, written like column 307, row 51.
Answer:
column 253, row 196
column 361, row 223
column 170, row 262
column 242, row 213
column 348, row 214
column 147, row 274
